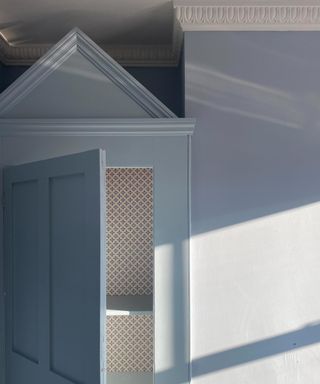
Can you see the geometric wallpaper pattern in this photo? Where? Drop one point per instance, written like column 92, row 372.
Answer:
column 129, row 231
column 130, row 343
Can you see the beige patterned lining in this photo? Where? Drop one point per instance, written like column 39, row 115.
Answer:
column 130, row 343
column 129, row 231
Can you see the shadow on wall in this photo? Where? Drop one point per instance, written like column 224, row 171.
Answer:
column 252, row 352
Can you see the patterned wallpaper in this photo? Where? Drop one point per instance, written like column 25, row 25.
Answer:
column 129, row 231
column 130, row 343
column 129, row 265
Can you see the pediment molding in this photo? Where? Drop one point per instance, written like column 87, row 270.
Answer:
column 77, row 41
column 249, row 15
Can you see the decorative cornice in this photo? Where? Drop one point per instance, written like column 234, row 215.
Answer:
column 97, row 127
column 250, row 15
column 143, row 55
column 157, row 55
column 164, row 55
column 195, row 15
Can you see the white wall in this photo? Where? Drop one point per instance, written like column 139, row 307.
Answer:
column 255, row 264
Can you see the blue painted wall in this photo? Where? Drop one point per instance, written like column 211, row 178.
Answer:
column 9, row 74
column 164, row 82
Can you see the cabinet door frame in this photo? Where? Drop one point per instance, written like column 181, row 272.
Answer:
column 94, row 129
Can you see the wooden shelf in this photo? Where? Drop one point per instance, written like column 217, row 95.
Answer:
column 129, row 305
column 130, row 378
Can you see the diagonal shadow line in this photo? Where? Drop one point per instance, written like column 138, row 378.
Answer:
column 287, row 342
column 257, row 350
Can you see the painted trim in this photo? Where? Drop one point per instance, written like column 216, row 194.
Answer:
column 103, row 267
column 251, row 15
column 77, row 41
column 97, row 127
column 2, row 286
column 189, row 253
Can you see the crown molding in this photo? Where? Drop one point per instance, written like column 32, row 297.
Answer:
column 194, row 15
column 165, row 55
column 248, row 15
column 97, row 127
column 157, row 55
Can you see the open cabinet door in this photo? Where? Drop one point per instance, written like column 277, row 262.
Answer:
column 55, row 270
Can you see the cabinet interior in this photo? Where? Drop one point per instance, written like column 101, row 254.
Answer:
column 130, row 253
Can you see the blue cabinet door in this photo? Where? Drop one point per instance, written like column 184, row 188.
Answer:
column 55, row 270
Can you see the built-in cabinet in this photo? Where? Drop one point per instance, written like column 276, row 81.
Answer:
column 129, row 187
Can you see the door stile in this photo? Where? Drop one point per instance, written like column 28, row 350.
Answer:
column 8, row 273
column 103, row 267
column 44, row 274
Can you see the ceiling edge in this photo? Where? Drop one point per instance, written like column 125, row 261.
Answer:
column 193, row 15
column 251, row 15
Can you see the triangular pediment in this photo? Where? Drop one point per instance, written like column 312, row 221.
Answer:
column 77, row 79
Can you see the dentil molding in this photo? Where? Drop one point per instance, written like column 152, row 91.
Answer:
column 248, row 15
column 195, row 15
column 163, row 55
column 126, row 55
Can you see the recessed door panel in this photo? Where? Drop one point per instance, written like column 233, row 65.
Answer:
column 67, row 277
column 25, row 270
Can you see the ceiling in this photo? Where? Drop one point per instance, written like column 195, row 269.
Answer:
column 29, row 22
